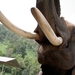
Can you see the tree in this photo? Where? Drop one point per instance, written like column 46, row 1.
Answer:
column 31, row 64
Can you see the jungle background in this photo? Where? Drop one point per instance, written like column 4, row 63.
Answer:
column 24, row 50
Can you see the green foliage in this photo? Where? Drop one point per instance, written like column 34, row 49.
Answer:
column 24, row 50
column 2, row 49
column 31, row 64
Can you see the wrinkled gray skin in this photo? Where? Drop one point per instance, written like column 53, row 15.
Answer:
column 56, row 60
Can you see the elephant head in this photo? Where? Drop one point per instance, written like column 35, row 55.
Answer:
column 54, row 34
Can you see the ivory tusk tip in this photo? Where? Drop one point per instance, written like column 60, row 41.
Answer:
column 60, row 40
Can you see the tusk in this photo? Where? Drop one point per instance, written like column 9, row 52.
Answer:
column 16, row 30
column 46, row 28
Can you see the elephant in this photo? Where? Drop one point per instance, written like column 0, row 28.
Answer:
column 54, row 34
